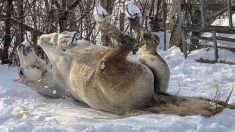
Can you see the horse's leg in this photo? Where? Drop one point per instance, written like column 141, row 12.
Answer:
column 119, row 79
column 60, row 60
column 148, row 54
column 125, row 43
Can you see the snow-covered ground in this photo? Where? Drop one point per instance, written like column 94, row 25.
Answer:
column 21, row 109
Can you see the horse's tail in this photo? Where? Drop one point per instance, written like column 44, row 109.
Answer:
column 183, row 106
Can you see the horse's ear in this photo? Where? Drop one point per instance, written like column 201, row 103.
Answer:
column 54, row 38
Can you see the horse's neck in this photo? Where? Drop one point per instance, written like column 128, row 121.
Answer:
column 52, row 52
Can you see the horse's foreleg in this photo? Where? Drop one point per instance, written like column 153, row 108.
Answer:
column 102, row 19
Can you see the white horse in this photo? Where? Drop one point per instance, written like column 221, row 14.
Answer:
column 104, row 79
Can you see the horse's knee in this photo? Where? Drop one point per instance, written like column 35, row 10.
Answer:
column 48, row 39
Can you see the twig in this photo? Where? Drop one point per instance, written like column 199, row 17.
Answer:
column 179, row 89
column 229, row 96
column 216, row 96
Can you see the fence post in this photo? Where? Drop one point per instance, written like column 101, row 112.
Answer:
column 230, row 14
column 202, row 6
column 165, row 18
column 215, row 45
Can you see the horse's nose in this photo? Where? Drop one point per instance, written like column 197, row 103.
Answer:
column 21, row 73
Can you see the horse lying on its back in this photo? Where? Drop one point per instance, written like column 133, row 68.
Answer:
column 105, row 79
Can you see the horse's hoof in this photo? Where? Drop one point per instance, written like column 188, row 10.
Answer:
column 66, row 39
column 100, row 14
column 132, row 11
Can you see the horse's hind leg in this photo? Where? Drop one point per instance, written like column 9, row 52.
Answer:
column 119, row 79
column 114, row 65
column 148, row 54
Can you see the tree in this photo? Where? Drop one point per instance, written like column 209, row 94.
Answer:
column 108, row 5
column 7, row 38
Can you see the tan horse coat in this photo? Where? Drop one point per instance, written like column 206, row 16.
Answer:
column 105, row 80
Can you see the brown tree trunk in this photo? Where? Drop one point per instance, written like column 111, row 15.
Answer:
column 54, row 15
column 19, row 35
column 63, row 19
column 156, row 19
column 122, row 21
column 21, row 7
column 7, row 38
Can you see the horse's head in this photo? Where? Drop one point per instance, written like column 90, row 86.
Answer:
column 32, row 68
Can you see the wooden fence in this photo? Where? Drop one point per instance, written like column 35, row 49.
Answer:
column 205, row 12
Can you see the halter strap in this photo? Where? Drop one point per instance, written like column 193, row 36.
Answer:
column 74, row 37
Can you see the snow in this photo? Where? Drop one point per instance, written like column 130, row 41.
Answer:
column 223, row 21
column 21, row 109
column 102, row 66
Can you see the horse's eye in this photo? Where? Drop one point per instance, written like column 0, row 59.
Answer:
column 20, row 45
